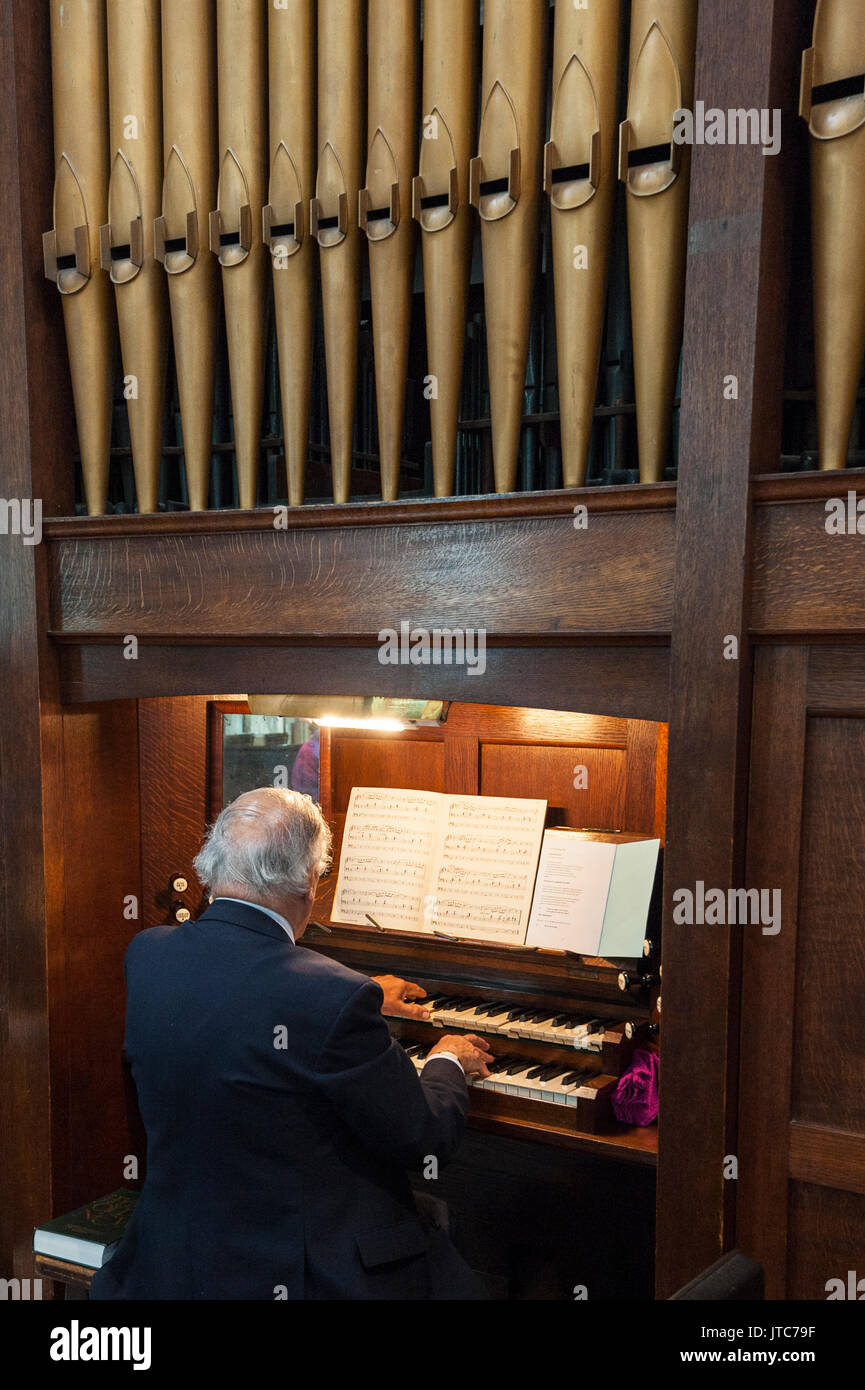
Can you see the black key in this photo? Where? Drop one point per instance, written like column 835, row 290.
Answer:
column 549, row 1072
column 483, row 1010
column 464, row 1006
column 501, row 1063
column 535, row 1071
column 518, row 1064
column 573, row 1076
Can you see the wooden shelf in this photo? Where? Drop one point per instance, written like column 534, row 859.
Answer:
column 636, row 1145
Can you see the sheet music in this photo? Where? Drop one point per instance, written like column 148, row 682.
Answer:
column 483, row 870
column 430, row 861
column 386, row 851
column 571, row 893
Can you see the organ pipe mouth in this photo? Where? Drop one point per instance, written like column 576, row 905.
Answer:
column 832, row 109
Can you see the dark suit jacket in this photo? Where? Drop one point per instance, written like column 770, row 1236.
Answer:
column 281, row 1119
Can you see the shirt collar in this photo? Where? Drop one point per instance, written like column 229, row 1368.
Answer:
column 286, row 926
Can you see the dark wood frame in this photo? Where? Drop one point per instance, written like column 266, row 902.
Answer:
column 629, row 624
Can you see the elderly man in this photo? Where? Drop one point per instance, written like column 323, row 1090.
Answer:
column 280, row 1115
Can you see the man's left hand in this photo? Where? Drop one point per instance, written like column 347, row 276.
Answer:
column 398, row 995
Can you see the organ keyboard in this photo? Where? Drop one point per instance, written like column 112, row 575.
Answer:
column 554, row 1064
column 561, row 1028
column 513, row 1075
column 579, row 1029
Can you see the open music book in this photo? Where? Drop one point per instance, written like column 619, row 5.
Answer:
column 592, row 897
column 431, row 861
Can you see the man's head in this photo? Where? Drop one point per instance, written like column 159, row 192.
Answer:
column 268, row 847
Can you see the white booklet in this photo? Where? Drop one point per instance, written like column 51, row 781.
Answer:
column 431, row 861
column 592, row 897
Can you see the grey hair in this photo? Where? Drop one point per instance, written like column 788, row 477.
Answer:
column 277, row 845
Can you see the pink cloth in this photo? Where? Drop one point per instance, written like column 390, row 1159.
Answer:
column 635, row 1099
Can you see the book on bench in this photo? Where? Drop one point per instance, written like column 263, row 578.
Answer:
column 89, row 1235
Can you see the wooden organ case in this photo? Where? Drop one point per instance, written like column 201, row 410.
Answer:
column 618, row 598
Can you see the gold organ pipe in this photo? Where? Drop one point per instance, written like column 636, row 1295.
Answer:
column 580, row 179
column 235, row 225
column 661, row 81
column 181, row 233
column 126, row 239
column 505, row 187
column 291, row 57
column 384, row 214
column 334, row 215
column 440, row 203
column 71, row 249
column 836, row 122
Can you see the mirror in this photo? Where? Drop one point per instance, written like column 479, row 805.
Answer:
column 266, row 750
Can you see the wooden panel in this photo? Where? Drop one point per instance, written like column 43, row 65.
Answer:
column 836, row 680
column 618, row 680
column 825, row 1239
column 830, row 964
column 87, row 1004
column 734, row 325
column 641, row 777
column 504, row 576
column 769, row 1010
column 660, row 818
column 828, row 1157
column 515, row 724
column 173, row 738
column 461, row 764
column 384, row 762
column 35, row 462
column 214, row 714
column 546, row 1221
column 531, row 770
column 805, row 580
column 558, row 502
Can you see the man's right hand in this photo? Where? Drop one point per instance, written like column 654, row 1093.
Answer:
column 473, row 1052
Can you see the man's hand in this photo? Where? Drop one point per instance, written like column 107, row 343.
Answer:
column 398, row 995
column 473, row 1052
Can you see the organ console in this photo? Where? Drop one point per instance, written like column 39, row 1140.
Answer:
column 563, row 1058
column 562, row 1028
column 560, row 1035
